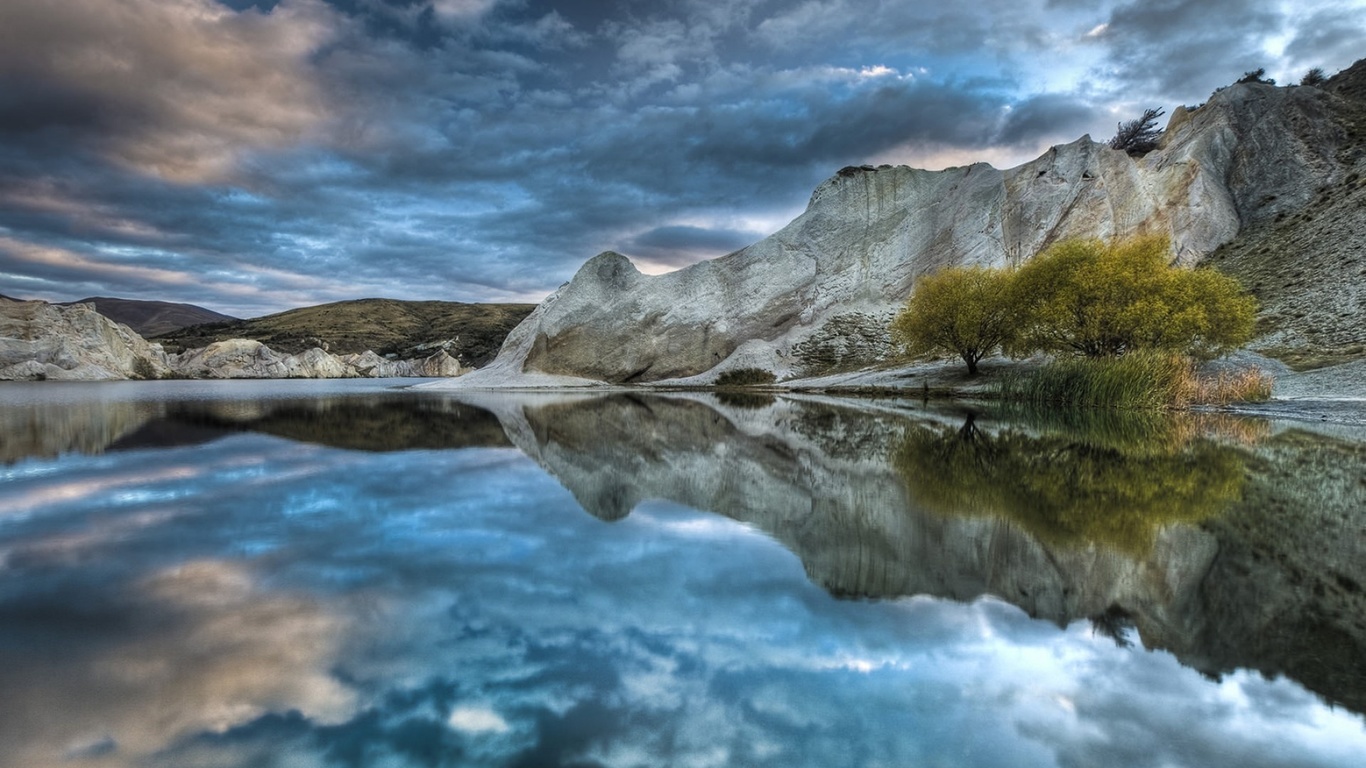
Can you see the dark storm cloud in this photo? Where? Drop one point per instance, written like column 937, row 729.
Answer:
column 1187, row 48
column 679, row 245
column 1329, row 35
column 1047, row 115
column 256, row 155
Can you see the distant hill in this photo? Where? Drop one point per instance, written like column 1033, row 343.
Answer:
column 150, row 318
column 382, row 325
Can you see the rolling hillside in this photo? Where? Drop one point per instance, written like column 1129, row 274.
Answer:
column 150, row 318
column 382, row 325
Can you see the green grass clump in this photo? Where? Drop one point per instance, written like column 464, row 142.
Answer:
column 1144, row 380
column 746, row 377
column 1137, row 380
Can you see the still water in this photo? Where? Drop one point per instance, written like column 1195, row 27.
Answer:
column 341, row 574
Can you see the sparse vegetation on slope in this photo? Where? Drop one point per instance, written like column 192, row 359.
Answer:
column 150, row 318
column 385, row 326
column 1312, row 301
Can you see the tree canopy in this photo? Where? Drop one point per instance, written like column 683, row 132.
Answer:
column 965, row 311
column 1102, row 299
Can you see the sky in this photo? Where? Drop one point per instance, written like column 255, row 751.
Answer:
column 252, row 156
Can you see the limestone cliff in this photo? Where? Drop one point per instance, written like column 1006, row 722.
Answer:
column 44, row 341
column 41, row 341
column 1252, row 153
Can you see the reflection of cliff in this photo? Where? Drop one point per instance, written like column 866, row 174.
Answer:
column 817, row 479
column 1247, row 588
column 51, row 429
column 1286, row 593
column 366, row 423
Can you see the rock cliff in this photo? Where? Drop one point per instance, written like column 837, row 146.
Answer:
column 40, row 341
column 1252, row 154
column 45, row 341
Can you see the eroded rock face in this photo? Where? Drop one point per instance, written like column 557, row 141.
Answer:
column 40, row 341
column 75, row 343
column 1251, row 153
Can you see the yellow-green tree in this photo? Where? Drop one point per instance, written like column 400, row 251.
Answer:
column 1104, row 299
column 963, row 311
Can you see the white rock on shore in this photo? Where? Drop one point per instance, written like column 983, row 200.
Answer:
column 74, row 343
column 41, row 341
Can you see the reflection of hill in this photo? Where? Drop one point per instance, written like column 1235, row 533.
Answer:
column 390, row 422
column 1287, row 593
column 362, row 424
column 1245, row 589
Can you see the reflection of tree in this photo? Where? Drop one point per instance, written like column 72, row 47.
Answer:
column 1068, row 489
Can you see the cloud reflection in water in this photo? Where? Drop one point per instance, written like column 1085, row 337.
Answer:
column 334, row 607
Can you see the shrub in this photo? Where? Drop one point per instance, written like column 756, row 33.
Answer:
column 1246, row 385
column 963, row 311
column 143, row 369
column 1102, row 299
column 1314, row 77
column 1138, row 137
column 745, row 377
column 1257, row 75
column 1152, row 380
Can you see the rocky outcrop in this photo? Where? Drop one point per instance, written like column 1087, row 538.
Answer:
column 43, row 341
column 249, row 359
column 1305, row 259
column 1253, row 153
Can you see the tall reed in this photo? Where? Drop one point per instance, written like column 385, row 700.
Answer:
column 1149, row 380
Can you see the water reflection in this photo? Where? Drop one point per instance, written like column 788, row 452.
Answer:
column 1199, row 531
column 1116, row 483
column 388, row 422
column 277, row 589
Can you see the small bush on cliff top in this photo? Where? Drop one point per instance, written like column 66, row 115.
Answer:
column 1140, row 136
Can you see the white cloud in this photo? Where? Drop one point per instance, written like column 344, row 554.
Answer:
column 477, row 720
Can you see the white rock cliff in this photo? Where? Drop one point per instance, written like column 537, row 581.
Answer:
column 868, row 233
column 41, row 341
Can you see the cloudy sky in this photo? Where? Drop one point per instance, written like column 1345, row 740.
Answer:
column 257, row 155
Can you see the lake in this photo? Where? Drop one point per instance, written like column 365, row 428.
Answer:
column 306, row 573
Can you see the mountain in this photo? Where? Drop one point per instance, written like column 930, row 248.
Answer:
column 470, row 332
column 150, row 318
column 816, row 296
